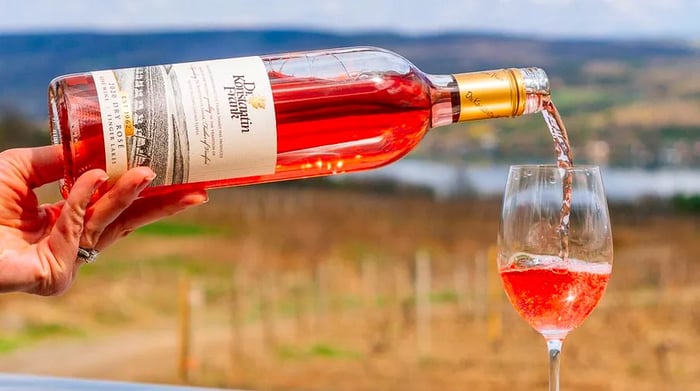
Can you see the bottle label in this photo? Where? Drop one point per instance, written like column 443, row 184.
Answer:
column 190, row 122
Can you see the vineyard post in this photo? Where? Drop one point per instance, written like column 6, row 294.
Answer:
column 184, row 328
column 423, row 310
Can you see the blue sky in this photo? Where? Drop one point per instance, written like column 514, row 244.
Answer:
column 558, row 18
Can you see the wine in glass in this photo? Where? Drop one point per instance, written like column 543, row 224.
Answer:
column 554, row 258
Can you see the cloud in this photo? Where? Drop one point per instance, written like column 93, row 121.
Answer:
column 552, row 2
column 548, row 17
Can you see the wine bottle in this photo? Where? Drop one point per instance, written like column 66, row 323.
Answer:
column 258, row 119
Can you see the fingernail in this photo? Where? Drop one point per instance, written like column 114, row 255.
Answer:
column 100, row 181
column 195, row 199
column 95, row 191
column 146, row 181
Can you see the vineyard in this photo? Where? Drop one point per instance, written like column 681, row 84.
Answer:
column 284, row 288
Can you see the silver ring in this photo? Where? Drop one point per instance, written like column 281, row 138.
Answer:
column 88, row 255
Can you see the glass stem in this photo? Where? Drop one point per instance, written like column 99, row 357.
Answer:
column 554, row 348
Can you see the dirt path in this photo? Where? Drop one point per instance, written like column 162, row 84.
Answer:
column 131, row 356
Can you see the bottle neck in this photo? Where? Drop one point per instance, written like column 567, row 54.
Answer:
column 488, row 94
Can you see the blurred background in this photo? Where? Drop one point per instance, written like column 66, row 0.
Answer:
column 383, row 280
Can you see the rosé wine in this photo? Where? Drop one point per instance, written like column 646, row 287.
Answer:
column 556, row 297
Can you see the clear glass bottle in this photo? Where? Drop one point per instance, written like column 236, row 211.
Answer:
column 277, row 117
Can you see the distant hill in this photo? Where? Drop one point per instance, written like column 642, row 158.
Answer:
column 630, row 103
column 29, row 62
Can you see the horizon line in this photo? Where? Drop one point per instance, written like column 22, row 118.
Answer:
column 347, row 33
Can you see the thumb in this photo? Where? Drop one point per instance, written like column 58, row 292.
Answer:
column 64, row 237
column 37, row 166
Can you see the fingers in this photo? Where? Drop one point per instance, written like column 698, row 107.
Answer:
column 117, row 199
column 55, row 255
column 149, row 209
column 37, row 166
column 65, row 234
column 97, row 221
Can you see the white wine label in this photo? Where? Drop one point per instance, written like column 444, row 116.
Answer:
column 190, row 122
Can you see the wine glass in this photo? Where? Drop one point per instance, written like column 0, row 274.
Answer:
column 554, row 257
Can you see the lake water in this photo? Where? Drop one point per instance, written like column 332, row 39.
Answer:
column 621, row 184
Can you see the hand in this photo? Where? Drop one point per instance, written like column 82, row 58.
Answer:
column 39, row 243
